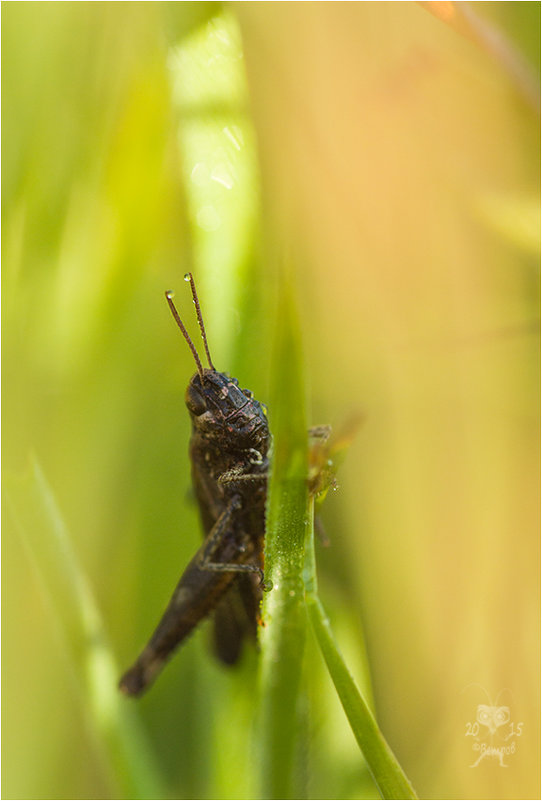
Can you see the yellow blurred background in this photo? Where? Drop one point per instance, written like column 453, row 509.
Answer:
column 396, row 158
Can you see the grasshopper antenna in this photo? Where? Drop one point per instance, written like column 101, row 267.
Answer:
column 175, row 313
column 188, row 277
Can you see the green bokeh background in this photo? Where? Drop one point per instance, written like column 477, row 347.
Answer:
column 396, row 163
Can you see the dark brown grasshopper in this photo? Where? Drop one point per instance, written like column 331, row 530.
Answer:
column 229, row 455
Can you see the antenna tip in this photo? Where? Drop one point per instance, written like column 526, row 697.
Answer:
column 188, row 276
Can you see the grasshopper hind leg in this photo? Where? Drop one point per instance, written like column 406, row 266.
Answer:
column 236, row 619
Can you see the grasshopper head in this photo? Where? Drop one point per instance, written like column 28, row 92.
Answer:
column 219, row 408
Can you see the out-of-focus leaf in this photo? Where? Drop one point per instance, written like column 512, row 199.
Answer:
column 115, row 727
column 463, row 18
column 516, row 219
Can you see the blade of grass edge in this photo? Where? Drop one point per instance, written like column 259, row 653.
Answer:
column 283, row 635
column 386, row 771
column 120, row 738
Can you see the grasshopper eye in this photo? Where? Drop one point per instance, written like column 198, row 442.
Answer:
column 195, row 402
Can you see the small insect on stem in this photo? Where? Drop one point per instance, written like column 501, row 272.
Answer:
column 225, row 577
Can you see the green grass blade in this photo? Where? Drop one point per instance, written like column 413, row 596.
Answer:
column 283, row 636
column 386, row 771
column 115, row 727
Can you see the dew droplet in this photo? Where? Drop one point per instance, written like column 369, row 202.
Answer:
column 187, row 276
column 170, row 294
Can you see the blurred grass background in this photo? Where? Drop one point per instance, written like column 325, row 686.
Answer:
column 398, row 161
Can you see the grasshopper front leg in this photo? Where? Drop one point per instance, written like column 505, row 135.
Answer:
column 215, row 538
